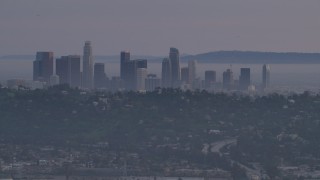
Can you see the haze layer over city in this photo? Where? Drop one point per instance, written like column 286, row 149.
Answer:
column 167, row 90
column 149, row 29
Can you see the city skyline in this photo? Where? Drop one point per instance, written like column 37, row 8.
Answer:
column 112, row 72
column 195, row 27
column 134, row 74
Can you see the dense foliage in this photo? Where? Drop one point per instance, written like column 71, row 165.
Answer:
column 270, row 129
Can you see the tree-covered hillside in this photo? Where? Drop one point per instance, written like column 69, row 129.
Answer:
column 270, row 129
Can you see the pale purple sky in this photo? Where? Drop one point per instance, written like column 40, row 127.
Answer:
column 150, row 27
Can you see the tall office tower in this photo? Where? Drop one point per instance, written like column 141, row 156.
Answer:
column 43, row 66
column 124, row 58
column 62, row 69
column 166, row 73
column 75, row 74
column 131, row 72
column 130, row 75
column 209, row 78
column 244, row 79
column 141, row 79
column 185, row 75
column 68, row 70
column 228, row 79
column 265, row 76
column 152, row 82
column 87, row 73
column 175, row 66
column 128, row 69
column 100, row 78
column 192, row 71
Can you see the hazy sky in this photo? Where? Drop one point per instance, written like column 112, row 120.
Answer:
column 150, row 27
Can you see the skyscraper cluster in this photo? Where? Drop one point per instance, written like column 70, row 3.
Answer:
column 68, row 69
column 244, row 81
column 134, row 73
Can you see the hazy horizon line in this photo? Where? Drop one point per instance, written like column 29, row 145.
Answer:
column 157, row 56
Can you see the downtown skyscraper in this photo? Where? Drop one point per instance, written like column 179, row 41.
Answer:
column 210, row 78
column 127, row 70
column 244, row 79
column 68, row 70
column 43, row 66
column 166, row 74
column 174, row 57
column 265, row 76
column 124, row 58
column 185, row 75
column 100, row 77
column 87, row 74
column 141, row 76
column 227, row 81
column 192, row 72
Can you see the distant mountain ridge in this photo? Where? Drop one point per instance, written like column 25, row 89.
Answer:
column 223, row 57
column 255, row 57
